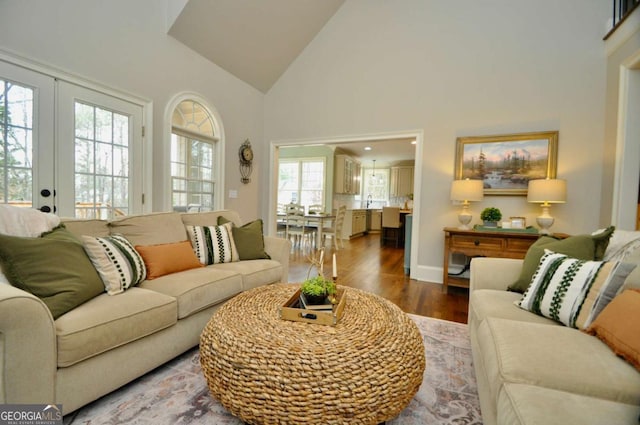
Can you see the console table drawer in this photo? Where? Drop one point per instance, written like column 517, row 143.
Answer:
column 519, row 245
column 481, row 242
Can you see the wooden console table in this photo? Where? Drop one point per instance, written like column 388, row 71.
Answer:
column 483, row 243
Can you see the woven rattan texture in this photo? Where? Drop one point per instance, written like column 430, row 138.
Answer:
column 265, row 370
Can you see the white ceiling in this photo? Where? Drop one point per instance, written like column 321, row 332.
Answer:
column 255, row 40
column 385, row 152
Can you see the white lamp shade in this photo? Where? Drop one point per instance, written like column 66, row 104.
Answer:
column 549, row 191
column 467, row 190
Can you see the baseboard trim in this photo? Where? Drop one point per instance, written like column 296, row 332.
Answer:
column 427, row 274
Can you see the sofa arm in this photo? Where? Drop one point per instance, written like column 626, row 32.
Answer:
column 493, row 273
column 278, row 249
column 27, row 347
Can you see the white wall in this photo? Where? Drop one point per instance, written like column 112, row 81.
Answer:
column 123, row 44
column 469, row 68
column 623, row 48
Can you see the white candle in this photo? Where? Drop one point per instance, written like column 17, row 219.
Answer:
column 335, row 267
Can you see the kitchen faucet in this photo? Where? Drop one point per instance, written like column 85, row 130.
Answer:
column 369, row 200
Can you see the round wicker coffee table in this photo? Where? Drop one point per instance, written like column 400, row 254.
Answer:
column 266, row 370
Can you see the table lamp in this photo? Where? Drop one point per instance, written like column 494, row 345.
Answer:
column 466, row 191
column 546, row 192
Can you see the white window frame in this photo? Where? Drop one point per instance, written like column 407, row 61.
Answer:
column 145, row 185
column 300, row 161
column 218, row 152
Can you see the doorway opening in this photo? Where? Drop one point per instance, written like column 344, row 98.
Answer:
column 350, row 142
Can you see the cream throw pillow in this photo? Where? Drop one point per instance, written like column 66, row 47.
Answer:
column 117, row 262
column 213, row 244
column 571, row 291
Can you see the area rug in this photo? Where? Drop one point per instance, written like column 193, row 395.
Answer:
column 177, row 393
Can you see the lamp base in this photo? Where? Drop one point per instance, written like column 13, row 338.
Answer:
column 464, row 218
column 545, row 221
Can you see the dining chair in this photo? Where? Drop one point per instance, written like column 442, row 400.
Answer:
column 392, row 229
column 281, row 220
column 295, row 224
column 335, row 230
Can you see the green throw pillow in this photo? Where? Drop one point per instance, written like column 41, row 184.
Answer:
column 582, row 247
column 248, row 239
column 54, row 268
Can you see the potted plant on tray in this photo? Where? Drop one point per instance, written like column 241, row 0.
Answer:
column 491, row 216
column 316, row 289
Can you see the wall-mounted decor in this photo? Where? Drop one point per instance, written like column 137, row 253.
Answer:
column 245, row 153
column 506, row 163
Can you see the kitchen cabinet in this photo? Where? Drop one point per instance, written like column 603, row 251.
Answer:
column 374, row 221
column 346, row 175
column 401, row 181
column 355, row 223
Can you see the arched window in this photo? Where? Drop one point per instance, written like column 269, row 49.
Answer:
column 193, row 157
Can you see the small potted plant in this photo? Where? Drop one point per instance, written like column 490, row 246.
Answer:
column 316, row 289
column 491, row 216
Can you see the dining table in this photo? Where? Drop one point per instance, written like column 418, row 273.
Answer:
column 313, row 220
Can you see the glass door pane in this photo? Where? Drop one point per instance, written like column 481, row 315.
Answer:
column 98, row 144
column 101, row 162
column 26, row 138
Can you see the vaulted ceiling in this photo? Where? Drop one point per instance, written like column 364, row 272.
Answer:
column 255, row 40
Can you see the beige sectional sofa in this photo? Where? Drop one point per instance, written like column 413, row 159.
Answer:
column 110, row 340
column 532, row 370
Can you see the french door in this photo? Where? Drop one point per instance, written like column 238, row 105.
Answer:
column 99, row 154
column 26, row 138
column 66, row 148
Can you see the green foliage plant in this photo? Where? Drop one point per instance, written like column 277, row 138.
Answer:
column 318, row 286
column 491, row 214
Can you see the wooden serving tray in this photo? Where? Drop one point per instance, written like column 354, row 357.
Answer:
column 291, row 310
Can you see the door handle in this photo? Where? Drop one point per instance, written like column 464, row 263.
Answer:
column 45, row 193
column 45, row 209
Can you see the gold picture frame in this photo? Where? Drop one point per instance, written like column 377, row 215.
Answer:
column 507, row 162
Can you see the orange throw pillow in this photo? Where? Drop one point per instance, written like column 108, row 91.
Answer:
column 618, row 326
column 168, row 258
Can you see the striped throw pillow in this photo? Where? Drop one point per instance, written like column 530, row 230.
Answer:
column 213, row 244
column 571, row 291
column 118, row 263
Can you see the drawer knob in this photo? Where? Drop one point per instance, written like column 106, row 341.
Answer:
column 476, row 242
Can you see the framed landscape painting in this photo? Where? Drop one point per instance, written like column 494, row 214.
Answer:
column 506, row 163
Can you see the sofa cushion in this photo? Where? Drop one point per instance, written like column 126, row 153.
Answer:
column 249, row 239
column 150, row 229
column 485, row 303
column 254, row 272
column 573, row 292
column 108, row 322
column 209, row 218
column 554, row 357
column 197, row 289
column 213, row 244
column 54, row 268
column 583, row 247
column 118, row 263
column 168, row 258
column 91, row 227
column 618, row 326
column 520, row 404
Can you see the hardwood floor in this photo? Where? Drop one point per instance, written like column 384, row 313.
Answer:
column 364, row 264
